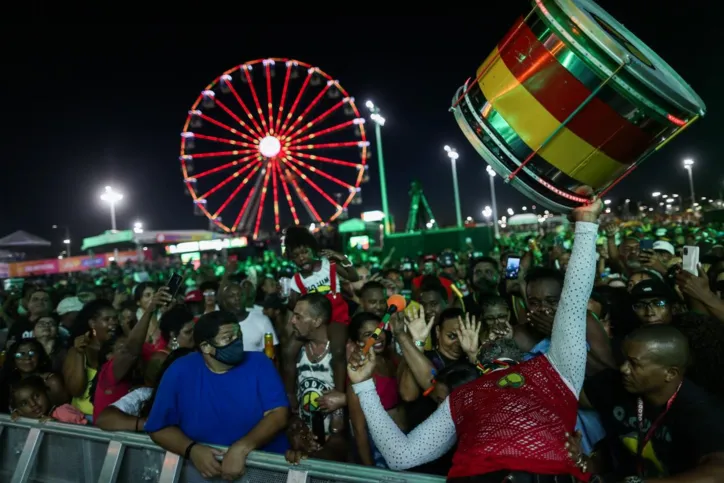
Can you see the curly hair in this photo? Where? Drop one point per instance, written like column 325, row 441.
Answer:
column 296, row 237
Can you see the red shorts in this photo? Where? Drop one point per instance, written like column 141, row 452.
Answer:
column 340, row 309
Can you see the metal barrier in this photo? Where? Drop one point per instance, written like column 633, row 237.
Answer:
column 35, row 452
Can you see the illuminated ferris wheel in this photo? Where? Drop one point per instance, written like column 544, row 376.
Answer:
column 270, row 140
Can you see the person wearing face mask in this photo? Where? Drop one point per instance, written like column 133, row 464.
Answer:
column 223, row 396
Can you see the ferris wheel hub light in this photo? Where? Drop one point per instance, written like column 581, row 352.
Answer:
column 269, row 146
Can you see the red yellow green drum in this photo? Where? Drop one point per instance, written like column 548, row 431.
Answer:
column 569, row 97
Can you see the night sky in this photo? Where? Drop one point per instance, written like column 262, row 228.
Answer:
column 87, row 107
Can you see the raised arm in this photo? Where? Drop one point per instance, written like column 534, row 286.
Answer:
column 568, row 339
column 427, row 442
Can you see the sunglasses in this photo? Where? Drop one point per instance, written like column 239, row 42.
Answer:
column 21, row 354
column 646, row 305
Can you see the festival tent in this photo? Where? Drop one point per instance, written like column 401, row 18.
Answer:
column 23, row 239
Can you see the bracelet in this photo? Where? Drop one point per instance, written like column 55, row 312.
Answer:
column 187, row 453
column 419, row 344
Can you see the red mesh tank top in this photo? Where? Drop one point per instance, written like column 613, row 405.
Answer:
column 514, row 419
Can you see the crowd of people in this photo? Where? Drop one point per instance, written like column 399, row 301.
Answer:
column 581, row 354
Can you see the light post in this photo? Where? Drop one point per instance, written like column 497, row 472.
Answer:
column 112, row 197
column 491, row 174
column 688, row 165
column 66, row 240
column 379, row 122
column 453, row 155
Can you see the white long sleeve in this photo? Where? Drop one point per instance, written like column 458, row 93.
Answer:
column 568, row 350
column 427, row 442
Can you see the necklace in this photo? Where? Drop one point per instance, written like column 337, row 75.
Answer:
column 314, row 358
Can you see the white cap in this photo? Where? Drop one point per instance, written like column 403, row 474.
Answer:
column 664, row 246
column 69, row 304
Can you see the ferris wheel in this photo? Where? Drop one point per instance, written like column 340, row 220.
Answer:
column 270, row 142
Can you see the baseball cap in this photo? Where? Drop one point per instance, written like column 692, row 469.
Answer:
column 68, row 305
column 194, row 296
column 649, row 289
column 664, row 246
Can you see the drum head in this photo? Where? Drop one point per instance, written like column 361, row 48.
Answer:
column 619, row 43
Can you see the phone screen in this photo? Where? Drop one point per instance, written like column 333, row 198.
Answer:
column 513, row 268
column 174, row 284
column 647, row 244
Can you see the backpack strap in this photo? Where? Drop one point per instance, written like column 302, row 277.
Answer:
column 300, row 284
column 333, row 279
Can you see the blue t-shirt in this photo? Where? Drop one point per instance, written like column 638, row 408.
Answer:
column 219, row 409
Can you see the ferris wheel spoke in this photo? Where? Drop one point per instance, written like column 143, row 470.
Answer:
column 232, row 89
column 250, row 83
column 313, row 185
column 321, row 173
column 287, row 76
column 346, row 144
column 337, row 127
column 242, row 211
column 224, row 166
column 296, row 101
column 287, row 194
column 237, row 189
column 303, row 197
column 225, row 126
column 217, row 154
column 311, row 105
column 275, row 194
column 227, row 180
column 319, row 118
column 267, row 71
column 323, row 159
column 233, row 115
column 251, row 205
column 260, row 209
column 220, row 140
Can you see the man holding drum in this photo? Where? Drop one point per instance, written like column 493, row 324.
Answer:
column 511, row 424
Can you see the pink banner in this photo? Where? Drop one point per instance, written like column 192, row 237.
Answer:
column 64, row 265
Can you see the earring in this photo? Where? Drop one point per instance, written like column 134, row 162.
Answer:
column 173, row 345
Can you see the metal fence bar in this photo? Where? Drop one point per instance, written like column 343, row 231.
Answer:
column 171, row 471
column 27, row 457
column 112, row 462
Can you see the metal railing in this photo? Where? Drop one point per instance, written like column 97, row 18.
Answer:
column 35, row 452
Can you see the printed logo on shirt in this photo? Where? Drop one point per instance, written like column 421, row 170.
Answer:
column 653, row 465
column 321, row 287
column 310, row 390
column 512, row 381
column 28, row 334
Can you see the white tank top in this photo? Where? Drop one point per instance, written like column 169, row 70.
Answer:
column 313, row 379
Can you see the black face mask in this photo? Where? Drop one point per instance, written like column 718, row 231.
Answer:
column 231, row 354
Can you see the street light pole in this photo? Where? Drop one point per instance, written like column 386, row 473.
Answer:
column 491, row 174
column 379, row 122
column 688, row 165
column 112, row 197
column 453, row 155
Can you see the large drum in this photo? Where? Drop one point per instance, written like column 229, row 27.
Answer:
column 570, row 97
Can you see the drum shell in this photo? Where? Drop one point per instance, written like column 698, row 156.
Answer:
column 536, row 98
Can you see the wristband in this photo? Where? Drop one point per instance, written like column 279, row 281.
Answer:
column 420, row 344
column 187, row 453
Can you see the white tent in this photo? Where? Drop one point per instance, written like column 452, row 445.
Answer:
column 23, row 239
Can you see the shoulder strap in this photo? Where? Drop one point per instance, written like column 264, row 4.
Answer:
column 333, row 278
column 300, row 284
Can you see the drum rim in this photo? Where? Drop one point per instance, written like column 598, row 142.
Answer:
column 682, row 96
column 490, row 158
